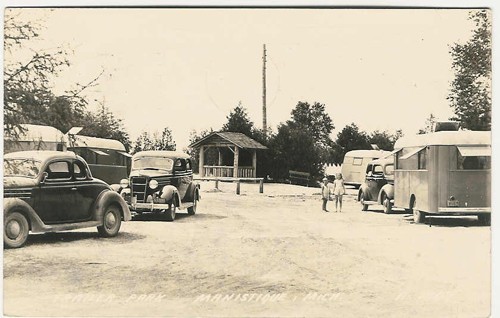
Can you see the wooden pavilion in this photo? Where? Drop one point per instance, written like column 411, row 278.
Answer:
column 228, row 154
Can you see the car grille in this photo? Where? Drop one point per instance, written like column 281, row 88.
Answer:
column 17, row 193
column 138, row 188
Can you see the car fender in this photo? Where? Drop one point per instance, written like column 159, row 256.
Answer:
column 388, row 190
column 115, row 187
column 192, row 192
column 169, row 192
column 106, row 198
column 363, row 188
column 15, row 204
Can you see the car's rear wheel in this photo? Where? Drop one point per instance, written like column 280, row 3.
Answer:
column 192, row 209
column 15, row 230
column 364, row 207
column 170, row 212
column 387, row 205
column 111, row 222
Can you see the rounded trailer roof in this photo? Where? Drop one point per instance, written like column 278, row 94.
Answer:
column 367, row 153
column 445, row 138
column 162, row 153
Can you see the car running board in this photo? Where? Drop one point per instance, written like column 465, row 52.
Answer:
column 67, row 226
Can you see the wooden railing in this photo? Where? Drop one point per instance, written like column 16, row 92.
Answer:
column 227, row 171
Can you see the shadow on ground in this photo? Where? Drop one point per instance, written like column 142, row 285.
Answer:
column 179, row 217
column 51, row 238
column 451, row 221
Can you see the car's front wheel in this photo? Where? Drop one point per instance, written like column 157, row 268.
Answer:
column 15, row 230
column 364, row 207
column 192, row 209
column 111, row 222
column 170, row 212
column 387, row 205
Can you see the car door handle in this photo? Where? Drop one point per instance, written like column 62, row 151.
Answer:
column 74, row 189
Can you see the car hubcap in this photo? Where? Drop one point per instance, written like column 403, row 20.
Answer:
column 13, row 229
column 110, row 220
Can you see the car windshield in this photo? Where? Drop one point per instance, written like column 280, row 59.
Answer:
column 152, row 163
column 21, row 167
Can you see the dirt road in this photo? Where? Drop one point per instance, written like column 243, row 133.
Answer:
column 272, row 254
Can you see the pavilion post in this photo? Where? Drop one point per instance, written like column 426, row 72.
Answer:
column 202, row 161
column 254, row 163
column 235, row 162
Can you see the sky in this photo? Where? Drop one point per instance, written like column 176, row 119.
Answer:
column 186, row 69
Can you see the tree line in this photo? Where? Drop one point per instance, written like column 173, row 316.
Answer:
column 301, row 143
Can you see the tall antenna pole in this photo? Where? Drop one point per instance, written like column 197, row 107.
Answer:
column 264, row 116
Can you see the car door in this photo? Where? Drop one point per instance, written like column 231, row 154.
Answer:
column 56, row 196
column 86, row 192
column 181, row 176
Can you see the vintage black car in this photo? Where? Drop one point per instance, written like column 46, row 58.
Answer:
column 49, row 191
column 378, row 187
column 160, row 182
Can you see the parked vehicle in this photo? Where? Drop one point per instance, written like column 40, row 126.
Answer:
column 161, row 182
column 355, row 162
column 444, row 173
column 378, row 187
column 49, row 191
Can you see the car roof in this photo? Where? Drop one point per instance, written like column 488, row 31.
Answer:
column 162, row 153
column 445, row 138
column 41, row 155
column 367, row 153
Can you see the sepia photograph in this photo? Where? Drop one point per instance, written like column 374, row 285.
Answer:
column 247, row 161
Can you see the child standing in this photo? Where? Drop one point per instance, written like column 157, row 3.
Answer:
column 325, row 193
column 338, row 190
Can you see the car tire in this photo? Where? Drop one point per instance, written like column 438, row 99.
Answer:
column 484, row 219
column 170, row 212
column 111, row 222
column 364, row 207
column 192, row 209
column 15, row 230
column 387, row 205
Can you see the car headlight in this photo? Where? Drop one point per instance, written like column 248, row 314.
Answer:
column 153, row 184
column 124, row 183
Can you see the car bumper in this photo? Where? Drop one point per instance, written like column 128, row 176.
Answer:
column 151, row 206
column 464, row 210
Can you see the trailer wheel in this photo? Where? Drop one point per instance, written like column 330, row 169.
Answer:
column 484, row 219
column 387, row 205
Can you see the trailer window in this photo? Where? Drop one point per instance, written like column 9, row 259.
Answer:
column 473, row 162
column 422, row 159
column 357, row 161
column 389, row 170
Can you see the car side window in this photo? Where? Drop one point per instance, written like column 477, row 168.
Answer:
column 378, row 170
column 79, row 171
column 180, row 165
column 58, row 171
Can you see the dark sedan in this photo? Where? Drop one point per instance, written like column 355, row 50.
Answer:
column 49, row 191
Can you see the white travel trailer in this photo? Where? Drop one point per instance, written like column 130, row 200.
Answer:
column 444, row 173
column 355, row 163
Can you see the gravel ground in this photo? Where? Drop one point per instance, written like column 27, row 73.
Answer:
column 273, row 254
